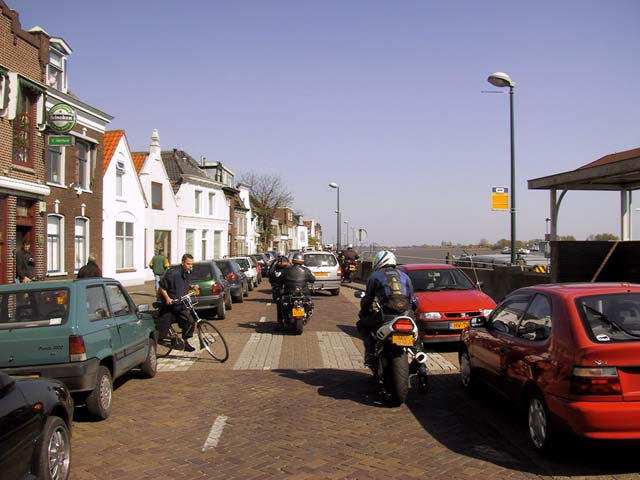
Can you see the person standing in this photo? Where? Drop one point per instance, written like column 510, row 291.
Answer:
column 159, row 264
column 91, row 269
column 25, row 265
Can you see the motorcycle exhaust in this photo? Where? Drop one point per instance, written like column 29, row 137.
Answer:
column 421, row 357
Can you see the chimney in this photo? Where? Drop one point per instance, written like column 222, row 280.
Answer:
column 154, row 148
column 203, row 160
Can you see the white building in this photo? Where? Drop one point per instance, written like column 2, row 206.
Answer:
column 123, row 213
column 161, row 216
column 301, row 236
column 203, row 211
column 252, row 236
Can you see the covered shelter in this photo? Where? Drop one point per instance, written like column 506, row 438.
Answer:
column 614, row 172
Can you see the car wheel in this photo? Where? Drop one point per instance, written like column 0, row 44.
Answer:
column 53, row 451
column 250, row 285
column 335, row 292
column 239, row 298
column 221, row 311
column 246, row 290
column 150, row 366
column 99, row 400
column 467, row 378
column 227, row 302
column 541, row 431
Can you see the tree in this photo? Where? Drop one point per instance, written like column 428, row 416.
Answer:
column 313, row 241
column 267, row 194
column 567, row 238
column 603, row 237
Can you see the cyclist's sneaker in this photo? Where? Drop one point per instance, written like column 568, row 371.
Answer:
column 188, row 348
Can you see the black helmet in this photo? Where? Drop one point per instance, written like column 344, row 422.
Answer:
column 298, row 258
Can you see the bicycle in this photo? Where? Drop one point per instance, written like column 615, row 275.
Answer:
column 210, row 337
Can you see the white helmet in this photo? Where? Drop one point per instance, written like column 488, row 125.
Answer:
column 281, row 253
column 350, row 246
column 384, row 258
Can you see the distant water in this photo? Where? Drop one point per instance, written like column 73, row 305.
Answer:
column 427, row 254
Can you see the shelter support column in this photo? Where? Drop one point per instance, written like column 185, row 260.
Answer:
column 553, row 214
column 625, row 214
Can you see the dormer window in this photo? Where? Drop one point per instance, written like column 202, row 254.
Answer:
column 119, row 176
column 59, row 51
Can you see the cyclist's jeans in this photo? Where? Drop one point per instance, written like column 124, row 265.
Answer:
column 183, row 317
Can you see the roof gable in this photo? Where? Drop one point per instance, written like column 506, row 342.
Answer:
column 110, row 142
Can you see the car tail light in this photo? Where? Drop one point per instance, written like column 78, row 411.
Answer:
column 403, row 325
column 339, row 271
column 77, row 352
column 595, row 381
column 215, row 289
column 232, row 277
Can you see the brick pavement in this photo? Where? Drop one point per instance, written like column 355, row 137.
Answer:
column 314, row 415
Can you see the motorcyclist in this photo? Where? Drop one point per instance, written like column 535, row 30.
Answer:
column 296, row 275
column 393, row 290
column 275, row 270
column 349, row 256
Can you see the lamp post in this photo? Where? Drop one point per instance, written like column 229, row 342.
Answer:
column 500, row 79
column 337, row 187
column 347, row 231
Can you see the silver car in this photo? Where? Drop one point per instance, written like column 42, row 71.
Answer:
column 248, row 269
column 326, row 269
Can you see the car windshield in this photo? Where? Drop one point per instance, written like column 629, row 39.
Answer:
column 243, row 262
column 611, row 318
column 436, row 279
column 201, row 272
column 34, row 307
column 320, row 260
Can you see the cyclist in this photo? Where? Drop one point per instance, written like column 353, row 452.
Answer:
column 173, row 285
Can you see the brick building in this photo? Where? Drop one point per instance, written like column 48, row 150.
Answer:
column 74, row 174
column 23, row 60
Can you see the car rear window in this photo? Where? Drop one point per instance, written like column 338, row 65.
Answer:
column 243, row 262
column 224, row 266
column 34, row 308
column 201, row 272
column 320, row 260
column 611, row 318
column 436, row 279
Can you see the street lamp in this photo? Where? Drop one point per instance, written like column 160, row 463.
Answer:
column 347, row 230
column 337, row 187
column 500, row 79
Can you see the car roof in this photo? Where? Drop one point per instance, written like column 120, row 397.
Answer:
column 48, row 284
column 426, row 266
column 584, row 289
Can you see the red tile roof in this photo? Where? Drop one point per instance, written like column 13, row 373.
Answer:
column 109, row 145
column 138, row 159
column 614, row 157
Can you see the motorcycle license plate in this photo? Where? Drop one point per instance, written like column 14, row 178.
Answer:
column 458, row 325
column 297, row 312
column 321, row 274
column 402, row 340
column 352, row 268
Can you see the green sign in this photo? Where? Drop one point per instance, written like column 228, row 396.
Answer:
column 61, row 118
column 60, row 140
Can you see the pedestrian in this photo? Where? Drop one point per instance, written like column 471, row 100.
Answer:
column 447, row 259
column 25, row 265
column 91, row 269
column 159, row 264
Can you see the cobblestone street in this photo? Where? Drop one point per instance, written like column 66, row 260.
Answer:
column 303, row 407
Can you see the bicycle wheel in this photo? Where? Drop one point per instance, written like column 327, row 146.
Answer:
column 163, row 348
column 212, row 340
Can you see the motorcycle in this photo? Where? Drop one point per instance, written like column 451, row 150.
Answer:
column 395, row 344
column 296, row 310
column 349, row 268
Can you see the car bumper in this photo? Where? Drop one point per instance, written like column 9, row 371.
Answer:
column 617, row 420
column 331, row 284
column 442, row 338
column 77, row 376
column 236, row 290
column 208, row 301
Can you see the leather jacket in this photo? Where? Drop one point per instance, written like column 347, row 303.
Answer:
column 295, row 276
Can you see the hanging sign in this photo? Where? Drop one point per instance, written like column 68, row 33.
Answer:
column 61, row 118
column 500, row 199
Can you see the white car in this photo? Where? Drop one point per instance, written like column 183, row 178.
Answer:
column 246, row 265
column 325, row 267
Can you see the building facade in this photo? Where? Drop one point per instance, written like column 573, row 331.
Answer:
column 23, row 187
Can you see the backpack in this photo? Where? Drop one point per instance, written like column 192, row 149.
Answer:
column 397, row 301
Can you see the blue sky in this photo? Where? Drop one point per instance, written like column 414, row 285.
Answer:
column 382, row 97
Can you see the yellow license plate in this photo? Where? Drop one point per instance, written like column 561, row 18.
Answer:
column 402, row 340
column 298, row 312
column 321, row 274
column 458, row 325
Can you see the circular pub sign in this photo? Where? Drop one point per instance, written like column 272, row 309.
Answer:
column 61, row 118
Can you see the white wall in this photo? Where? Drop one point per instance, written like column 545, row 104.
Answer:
column 128, row 208
column 251, row 222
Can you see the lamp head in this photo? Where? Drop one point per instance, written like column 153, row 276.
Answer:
column 500, row 79
column 333, row 185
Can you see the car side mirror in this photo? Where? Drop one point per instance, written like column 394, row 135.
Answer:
column 478, row 322
column 358, row 294
column 6, row 384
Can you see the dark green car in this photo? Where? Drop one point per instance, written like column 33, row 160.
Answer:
column 214, row 292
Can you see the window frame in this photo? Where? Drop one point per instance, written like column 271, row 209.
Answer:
column 61, row 270
column 193, row 240
column 124, row 237
column 106, row 302
column 500, row 308
column 212, row 197
column 197, row 200
column 204, row 240
column 61, row 166
column 120, row 173
column 87, row 231
column 24, row 92
column 523, row 319
column 156, row 206
column 130, row 304
column 76, row 161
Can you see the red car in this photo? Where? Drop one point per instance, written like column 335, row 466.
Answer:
column 569, row 353
column 447, row 300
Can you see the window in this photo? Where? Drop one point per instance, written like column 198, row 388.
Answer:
column 119, row 177
column 197, row 201
column 81, row 242
column 82, row 165
column 97, row 307
column 55, row 73
column 162, row 241
column 211, row 203
column 189, row 241
column 506, row 316
column 54, row 244
column 118, row 301
column 24, row 127
column 289, row 216
column 536, row 324
column 124, row 245
column 439, row 279
column 38, row 308
column 217, row 244
column 320, row 260
column 219, row 174
column 205, row 234
column 156, row 196
column 611, row 318
column 55, row 156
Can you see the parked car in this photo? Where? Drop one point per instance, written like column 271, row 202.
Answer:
column 214, row 291
column 568, row 353
column 247, row 267
column 523, row 251
column 263, row 261
column 237, row 280
column 84, row 333
column 326, row 269
column 505, row 250
column 447, row 300
column 35, row 428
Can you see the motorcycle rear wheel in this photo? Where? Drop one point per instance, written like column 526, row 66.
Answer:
column 299, row 326
column 396, row 379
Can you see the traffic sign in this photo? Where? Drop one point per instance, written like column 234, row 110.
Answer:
column 499, row 198
column 61, row 140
